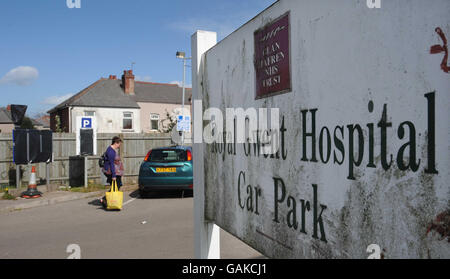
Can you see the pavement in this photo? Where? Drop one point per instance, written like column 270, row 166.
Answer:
column 156, row 227
column 48, row 198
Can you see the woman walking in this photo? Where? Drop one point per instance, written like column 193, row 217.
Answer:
column 113, row 167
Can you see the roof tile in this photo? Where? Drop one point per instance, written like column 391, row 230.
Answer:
column 109, row 93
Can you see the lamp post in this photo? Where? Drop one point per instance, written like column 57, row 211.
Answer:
column 182, row 55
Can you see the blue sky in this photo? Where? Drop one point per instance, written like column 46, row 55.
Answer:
column 49, row 52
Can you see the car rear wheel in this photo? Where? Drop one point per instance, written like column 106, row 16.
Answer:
column 142, row 193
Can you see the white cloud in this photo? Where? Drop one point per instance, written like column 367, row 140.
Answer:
column 22, row 76
column 56, row 100
column 144, row 78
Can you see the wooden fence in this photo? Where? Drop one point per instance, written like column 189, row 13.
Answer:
column 132, row 152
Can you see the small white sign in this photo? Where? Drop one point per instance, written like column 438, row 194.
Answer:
column 184, row 123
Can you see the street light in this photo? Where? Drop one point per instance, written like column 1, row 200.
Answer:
column 182, row 55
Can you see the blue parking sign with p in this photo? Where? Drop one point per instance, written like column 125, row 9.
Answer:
column 86, row 123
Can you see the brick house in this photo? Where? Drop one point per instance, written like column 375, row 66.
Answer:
column 121, row 105
column 6, row 123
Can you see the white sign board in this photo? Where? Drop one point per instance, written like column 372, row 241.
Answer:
column 363, row 130
column 86, row 123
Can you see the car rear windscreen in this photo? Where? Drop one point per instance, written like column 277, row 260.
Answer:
column 168, row 155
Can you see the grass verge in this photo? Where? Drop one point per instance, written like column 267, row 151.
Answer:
column 89, row 189
column 7, row 195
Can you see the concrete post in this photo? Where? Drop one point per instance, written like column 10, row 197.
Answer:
column 206, row 234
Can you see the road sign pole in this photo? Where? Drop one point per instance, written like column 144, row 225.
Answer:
column 182, row 106
column 206, row 233
column 47, row 175
column 18, row 176
column 85, row 171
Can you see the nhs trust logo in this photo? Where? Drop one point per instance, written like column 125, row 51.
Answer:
column 73, row 4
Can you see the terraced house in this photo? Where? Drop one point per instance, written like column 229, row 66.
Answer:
column 121, row 105
column 6, row 123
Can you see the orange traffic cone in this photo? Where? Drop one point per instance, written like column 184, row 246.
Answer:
column 32, row 192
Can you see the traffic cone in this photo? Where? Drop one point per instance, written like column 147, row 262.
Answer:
column 32, row 192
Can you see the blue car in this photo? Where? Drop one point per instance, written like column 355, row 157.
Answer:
column 168, row 168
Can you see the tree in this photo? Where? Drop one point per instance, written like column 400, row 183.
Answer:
column 58, row 128
column 27, row 123
column 168, row 123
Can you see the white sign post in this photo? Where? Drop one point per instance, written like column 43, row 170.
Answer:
column 206, row 234
column 86, row 123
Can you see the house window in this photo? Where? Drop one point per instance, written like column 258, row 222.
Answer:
column 89, row 113
column 127, row 120
column 154, row 122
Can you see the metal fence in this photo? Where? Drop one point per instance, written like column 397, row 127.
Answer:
column 133, row 151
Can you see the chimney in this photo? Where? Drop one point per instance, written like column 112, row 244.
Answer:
column 128, row 82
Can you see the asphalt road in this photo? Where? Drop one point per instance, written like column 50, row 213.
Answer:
column 153, row 228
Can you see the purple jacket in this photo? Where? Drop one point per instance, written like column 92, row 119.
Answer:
column 109, row 167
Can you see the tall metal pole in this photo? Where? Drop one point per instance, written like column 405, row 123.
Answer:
column 47, row 175
column 18, row 182
column 182, row 104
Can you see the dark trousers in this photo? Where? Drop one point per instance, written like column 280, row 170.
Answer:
column 118, row 179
